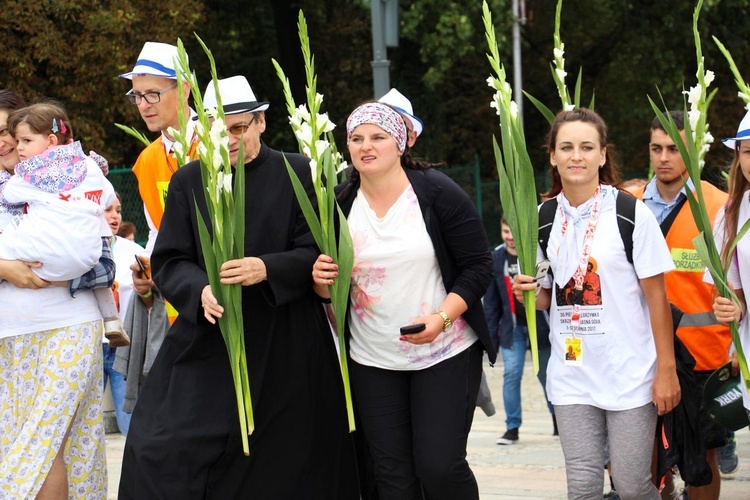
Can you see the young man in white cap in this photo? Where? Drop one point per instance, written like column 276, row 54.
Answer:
column 184, row 439
column 154, row 91
column 400, row 103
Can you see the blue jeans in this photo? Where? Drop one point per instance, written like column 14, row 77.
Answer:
column 513, row 361
column 117, row 384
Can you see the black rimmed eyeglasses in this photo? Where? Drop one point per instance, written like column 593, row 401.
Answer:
column 150, row 97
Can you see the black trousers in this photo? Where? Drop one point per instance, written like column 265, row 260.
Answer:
column 416, row 424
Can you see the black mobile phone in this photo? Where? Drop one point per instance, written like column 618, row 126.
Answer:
column 143, row 268
column 409, row 329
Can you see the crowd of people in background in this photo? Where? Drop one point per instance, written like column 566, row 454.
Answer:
column 622, row 310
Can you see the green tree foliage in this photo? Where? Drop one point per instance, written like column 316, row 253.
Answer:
column 441, row 65
column 627, row 50
column 73, row 50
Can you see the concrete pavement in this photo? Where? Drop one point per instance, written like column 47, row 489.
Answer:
column 533, row 468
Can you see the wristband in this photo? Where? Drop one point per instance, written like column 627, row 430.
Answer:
column 146, row 295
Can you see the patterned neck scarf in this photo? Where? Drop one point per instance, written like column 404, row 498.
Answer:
column 578, row 226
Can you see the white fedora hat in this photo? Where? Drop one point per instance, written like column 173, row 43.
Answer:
column 156, row 59
column 743, row 132
column 397, row 100
column 236, row 96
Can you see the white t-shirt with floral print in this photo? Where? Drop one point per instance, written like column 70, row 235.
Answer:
column 396, row 279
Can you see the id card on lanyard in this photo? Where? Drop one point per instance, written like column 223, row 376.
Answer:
column 574, row 344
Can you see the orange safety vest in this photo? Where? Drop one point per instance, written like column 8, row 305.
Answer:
column 706, row 340
column 154, row 169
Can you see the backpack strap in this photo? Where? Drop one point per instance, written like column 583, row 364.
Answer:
column 666, row 224
column 625, row 208
column 546, row 219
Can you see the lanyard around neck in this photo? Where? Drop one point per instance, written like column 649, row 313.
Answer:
column 588, row 238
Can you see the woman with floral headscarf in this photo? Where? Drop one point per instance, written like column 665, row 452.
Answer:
column 421, row 259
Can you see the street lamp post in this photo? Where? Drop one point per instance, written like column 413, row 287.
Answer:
column 519, row 19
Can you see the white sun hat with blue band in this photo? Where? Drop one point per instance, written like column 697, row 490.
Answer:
column 157, row 59
column 743, row 132
column 400, row 103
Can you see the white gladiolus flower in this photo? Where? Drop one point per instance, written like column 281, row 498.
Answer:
column 211, row 112
column 743, row 96
column 693, row 117
column 561, row 74
column 199, row 130
column 321, row 146
column 217, row 160
column 508, row 90
column 202, row 150
column 495, row 104
column 491, row 82
column 513, row 109
column 342, row 167
column 708, row 138
column 173, row 132
column 218, row 128
column 303, row 113
column 306, row 151
column 324, row 123
column 569, row 107
column 227, row 184
column 709, row 77
column 295, row 121
column 558, row 53
column 694, row 95
column 318, row 99
column 314, row 168
column 304, row 133
column 178, row 148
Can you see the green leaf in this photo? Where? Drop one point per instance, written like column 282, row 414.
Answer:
column 311, row 216
column 135, row 133
column 577, row 98
column 544, row 110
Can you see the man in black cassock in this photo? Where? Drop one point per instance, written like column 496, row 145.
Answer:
column 184, row 440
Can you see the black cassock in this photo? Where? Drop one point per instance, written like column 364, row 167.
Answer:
column 184, row 438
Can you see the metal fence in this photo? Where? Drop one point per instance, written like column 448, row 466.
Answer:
column 486, row 195
column 126, row 184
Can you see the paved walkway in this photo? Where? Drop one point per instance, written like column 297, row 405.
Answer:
column 532, row 469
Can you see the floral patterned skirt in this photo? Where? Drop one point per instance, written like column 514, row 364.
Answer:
column 51, row 381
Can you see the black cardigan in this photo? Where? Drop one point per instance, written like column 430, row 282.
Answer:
column 461, row 244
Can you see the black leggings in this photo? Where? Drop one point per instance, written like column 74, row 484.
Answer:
column 417, row 423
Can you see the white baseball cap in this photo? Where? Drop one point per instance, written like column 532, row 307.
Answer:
column 156, row 59
column 236, row 96
column 397, row 100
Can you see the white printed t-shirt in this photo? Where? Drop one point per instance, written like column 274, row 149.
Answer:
column 395, row 280
column 738, row 277
column 618, row 359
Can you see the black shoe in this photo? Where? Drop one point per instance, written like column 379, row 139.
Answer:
column 554, row 427
column 510, row 437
